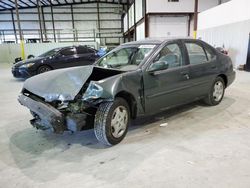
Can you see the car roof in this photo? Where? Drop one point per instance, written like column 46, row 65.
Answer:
column 156, row 41
column 146, row 41
column 76, row 46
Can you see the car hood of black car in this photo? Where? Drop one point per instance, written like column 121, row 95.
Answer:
column 61, row 84
column 23, row 62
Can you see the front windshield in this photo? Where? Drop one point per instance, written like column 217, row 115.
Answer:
column 49, row 53
column 127, row 58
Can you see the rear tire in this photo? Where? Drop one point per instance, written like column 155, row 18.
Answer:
column 216, row 92
column 111, row 121
column 43, row 68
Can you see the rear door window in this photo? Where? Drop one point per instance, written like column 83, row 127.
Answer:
column 210, row 54
column 68, row 52
column 82, row 50
column 196, row 53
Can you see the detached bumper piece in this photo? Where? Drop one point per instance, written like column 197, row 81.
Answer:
column 47, row 116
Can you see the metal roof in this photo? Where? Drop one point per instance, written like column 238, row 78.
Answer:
column 23, row 4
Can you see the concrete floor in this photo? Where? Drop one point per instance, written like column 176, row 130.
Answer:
column 200, row 147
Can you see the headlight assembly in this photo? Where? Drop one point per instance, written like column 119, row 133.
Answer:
column 93, row 91
column 26, row 65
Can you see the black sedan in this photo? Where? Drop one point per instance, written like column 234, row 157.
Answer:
column 55, row 59
column 135, row 79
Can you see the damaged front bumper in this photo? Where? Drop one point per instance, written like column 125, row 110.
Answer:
column 47, row 116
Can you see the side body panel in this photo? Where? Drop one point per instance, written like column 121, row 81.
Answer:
column 202, row 75
column 129, row 82
column 167, row 88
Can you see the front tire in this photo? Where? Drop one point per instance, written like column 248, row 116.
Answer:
column 111, row 121
column 216, row 92
column 43, row 68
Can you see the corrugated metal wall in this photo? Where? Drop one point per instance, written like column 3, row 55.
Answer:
column 234, row 37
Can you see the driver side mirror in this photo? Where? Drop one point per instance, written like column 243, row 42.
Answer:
column 157, row 66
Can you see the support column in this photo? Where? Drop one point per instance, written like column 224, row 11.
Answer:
column 98, row 20
column 248, row 56
column 129, row 36
column 189, row 23
column 146, row 18
column 44, row 26
column 14, row 26
column 73, row 22
column 135, row 22
column 39, row 19
column 53, row 22
column 20, row 31
column 195, row 18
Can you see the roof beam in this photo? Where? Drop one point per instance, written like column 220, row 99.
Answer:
column 10, row 7
column 42, row 2
column 32, row 2
column 24, row 3
column 7, row 4
column 2, row 7
column 55, row 2
column 18, row 3
column 12, row 3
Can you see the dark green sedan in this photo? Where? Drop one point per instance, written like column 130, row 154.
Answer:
column 135, row 79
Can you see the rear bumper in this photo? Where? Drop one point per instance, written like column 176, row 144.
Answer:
column 231, row 78
column 48, row 116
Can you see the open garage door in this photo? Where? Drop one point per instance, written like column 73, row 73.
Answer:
column 168, row 26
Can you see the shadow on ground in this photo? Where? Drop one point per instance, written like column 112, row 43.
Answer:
column 87, row 138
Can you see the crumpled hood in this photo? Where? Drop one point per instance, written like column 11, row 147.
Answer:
column 61, row 84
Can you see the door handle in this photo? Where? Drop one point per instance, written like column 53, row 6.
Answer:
column 213, row 67
column 185, row 74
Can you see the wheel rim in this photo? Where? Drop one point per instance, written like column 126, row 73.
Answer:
column 119, row 121
column 218, row 91
column 44, row 69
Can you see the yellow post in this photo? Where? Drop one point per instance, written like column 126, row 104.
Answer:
column 195, row 34
column 22, row 50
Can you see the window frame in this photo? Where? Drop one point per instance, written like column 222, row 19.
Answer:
column 180, row 45
column 173, row 1
column 69, row 48
column 82, row 47
column 199, row 44
column 208, row 48
column 89, row 50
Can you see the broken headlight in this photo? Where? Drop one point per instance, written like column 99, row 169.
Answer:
column 93, row 91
